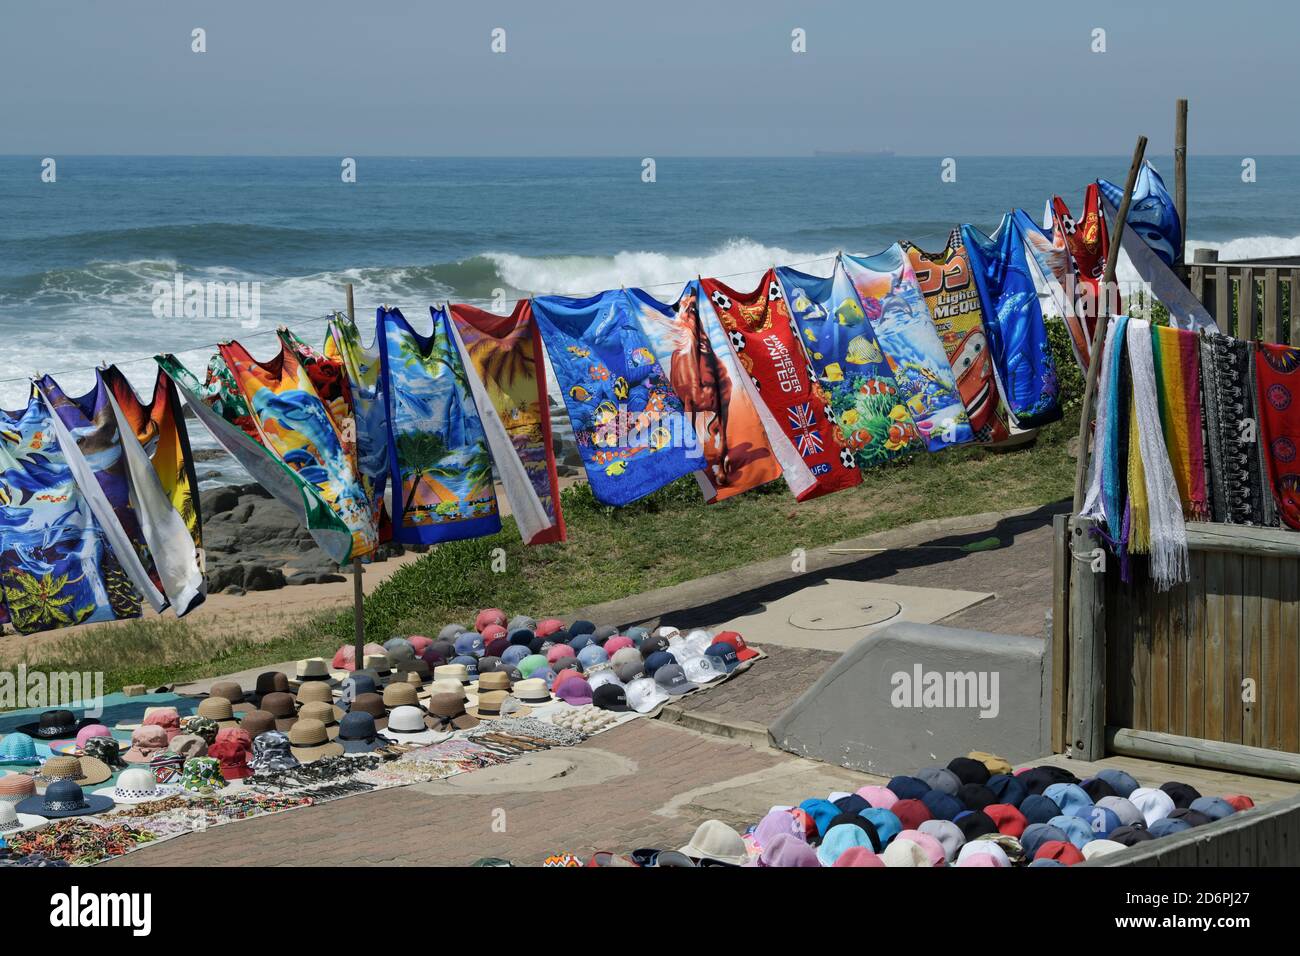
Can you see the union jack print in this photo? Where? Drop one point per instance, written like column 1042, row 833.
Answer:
column 802, row 421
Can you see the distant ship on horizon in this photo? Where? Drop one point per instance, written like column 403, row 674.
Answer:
column 870, row 153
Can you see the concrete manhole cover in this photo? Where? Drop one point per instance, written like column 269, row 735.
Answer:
column 846, row 616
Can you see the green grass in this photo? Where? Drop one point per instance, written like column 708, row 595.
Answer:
column 667, row 538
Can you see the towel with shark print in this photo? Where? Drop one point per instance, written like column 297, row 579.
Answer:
column 893, row 301
column 763, row 335
column 954, row 302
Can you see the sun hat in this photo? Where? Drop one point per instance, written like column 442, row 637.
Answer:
column 410, row 725
column 644, row 695
column 673, row 680
column 1009, row 820
column 318, row 669
column 353, row 687
column 314, row 691
column 309, row 742
column 1038, row 808
column 16, row 786
column 493, row 680
column 64, row 798
column 231, row 691
column 1096, row 788
column 11, row 821
column 725, row 654
column 1215, row 808
column 786, row 850
column 573, row 690
column 54, row 725
column 166, row 767
column 202, row 777
column 256, row 722
column 145, row 742
column 1153, row 804
column 77, row 745
column 975, row 824
column 489, row 615
column 218, row 709
column 456, row 672
column 18, row 749
column 1101, row 847
column 137, row 785
column 1181, row 793
column 1036, row 834
column 373, row 704
column 904, row 852
column 985, row 848
column 327, row 714
column 532, row 690
column 878, row 796
column 886, row 823
column 911, row 813
column 1063, row 851
column 231, row 751
column 447, row 686
column 1122, row 783
column 714, row 840
column 191, row 745
column 169, row 719
column 448, row 713
column 611, row 697
column 358, row 734
column 947, row 834
column 1007, row 788
column 269, row 682
column 494, row 703
column 942, row 806
column 1168, row 827
column 1123, row 808
column 908, row 788
column 1070, row 797
column 939, row 778
column 281, row 707
column 969, row 771
column 1075, row 828
column 86, row 771
column 401, row 695
column 272, row 753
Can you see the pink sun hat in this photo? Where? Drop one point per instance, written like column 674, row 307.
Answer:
column 75, row 747
column 168, row 718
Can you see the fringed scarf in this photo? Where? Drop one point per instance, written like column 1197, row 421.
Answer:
column 1178, row 383
column 1107, row 489
column 1156, row 519
column 1236, row 472
column 1277, row 368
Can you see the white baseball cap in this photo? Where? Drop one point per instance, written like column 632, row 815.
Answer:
column 644, row 695
column 701, row 669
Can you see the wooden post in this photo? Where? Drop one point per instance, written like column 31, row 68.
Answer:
column 1180, row 170
column 358, row 595
column 1087, row 640
column 1098, row 338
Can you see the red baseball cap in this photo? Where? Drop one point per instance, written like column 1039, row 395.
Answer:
column 557, row 651
column 911, row 813
column 419, row 642
column 858, row 856
column 1009, row 820
column 1239, row 801
column 489, row 615
column 492, row 632
column 617, row 643
column 1067, row 853
column 743, row 651
column 548, row 627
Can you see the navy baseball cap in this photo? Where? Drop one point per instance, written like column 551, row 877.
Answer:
column 657, row 660
column 726, row 655
column 942, row 806
column 582, row 627
column 976, row 796
column 851, row 804
column 579, row 641
column 1038, row 808
column 1168, row 827
column 1036, row 834
column 1007, row 788
column 521, row 635
column 470, row 662
column 976, row 823
column 1122, row 783
column 1181, row 793
column 1096, row 788
column 908, row 788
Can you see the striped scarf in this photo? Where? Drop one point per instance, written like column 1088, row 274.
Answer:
column 1178, row 382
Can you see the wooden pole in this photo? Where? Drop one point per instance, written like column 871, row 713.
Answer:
column 1180, row 169
column 358, row 595
column 1103, row 322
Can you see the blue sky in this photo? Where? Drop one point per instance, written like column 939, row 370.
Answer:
column 668, row 77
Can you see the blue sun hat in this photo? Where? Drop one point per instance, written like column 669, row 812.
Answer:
column 18, row 749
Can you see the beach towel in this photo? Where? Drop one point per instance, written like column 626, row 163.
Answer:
column 440, row 467
column 504, row 355
column 851, row 368
column 1052, row 268
column 628, row 422
column 1277, row 370
column 1236, row 467
column 692, row 348
column 360, row 365
column 159, row 425
column 56, row 567
column 1153, row 241
column 300, row 429
column 1178, row 387
column 91, row 441
column 1108, row 488
column 1156, row 520
column 761, row 332
column 954, row 301
column 223, row 412
column 895, row 305
column 1089, row 242
column 1022, row 357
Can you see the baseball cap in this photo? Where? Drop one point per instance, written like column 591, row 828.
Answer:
column 591, row 655
column 558, row 651
column 470, row 642
column 1007, row 788
column 530, row 664
column 1069, row 797
column 1213, row 807
column 548, row 626
column 1122, row 783
column 579, row 641
column 657, row 660
column 1063, row 851
column 1038, row 808
column 725, row 653
column 1181, row 793
column 1168, row 827
column 582, row 627
column 617, row 643
column 1154, row 804
column 1075, row 828
column 908, row 788
column 672, row 679
column 743, row 651
column 648, row 645
column 1036, row 834
column 629, row 671
column 947, row 833
column 514, row 655
column 644, row 694
column 702, row 669
column 522, row 636
column 942, row 806
column 602, row 675
column 610, row 697
column 1009, row 820
column 1124, row 809
column 969, row 771
column 941, row 779
column 574, row 690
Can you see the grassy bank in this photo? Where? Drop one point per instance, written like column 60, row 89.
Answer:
column 667, row 538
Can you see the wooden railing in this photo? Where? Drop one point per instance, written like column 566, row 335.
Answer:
column 1271, row 310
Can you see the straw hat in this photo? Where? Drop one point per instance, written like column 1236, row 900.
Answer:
column 281, row 707
column 327, row 714
column 308, row 741
column 532, row 691
column 456, row 672
column 11, row 821
column 401, row 695
column 493, row 680
column 83, row 771
column 314, row 691
column 498, row 703
column 447, row 712
column 16, row 786
column 314, row 669
column 232, row 692
column 218, row 709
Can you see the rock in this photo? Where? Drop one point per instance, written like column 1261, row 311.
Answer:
column 216, row 501
column 261, row 577
column 233, row 589
column 220, row 578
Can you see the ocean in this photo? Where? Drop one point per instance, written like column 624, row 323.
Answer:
column 80, row 257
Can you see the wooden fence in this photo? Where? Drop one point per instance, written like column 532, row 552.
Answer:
column 1209, row 671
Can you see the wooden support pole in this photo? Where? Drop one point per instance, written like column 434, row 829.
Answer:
column 1180, row 170
column 358, row 594
column 1087, row 642
column 1210, row 754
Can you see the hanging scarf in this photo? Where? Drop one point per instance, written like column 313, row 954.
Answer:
column 893, row 302
column 503, row 351
column 629, row 425
column 305, row 431
column 441, row 470
column 1108, row 489
column 160, row 427
column 954, row 302
column 850, row 366
column 1089, row 243
column 224, row 413
column 692, row 348
column 1157, row 517
column 1013, row 319
column 1178, row 386
column 762, row 334
column 1236, row 473
column 56, row 568
column 1277, row 369
column 360, row 366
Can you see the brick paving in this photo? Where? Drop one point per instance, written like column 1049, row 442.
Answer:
column 763, row 692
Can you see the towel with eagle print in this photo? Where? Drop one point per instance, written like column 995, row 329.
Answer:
column 631, row 431
column 763, row 335
column 850, row 366
column 892, row 299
